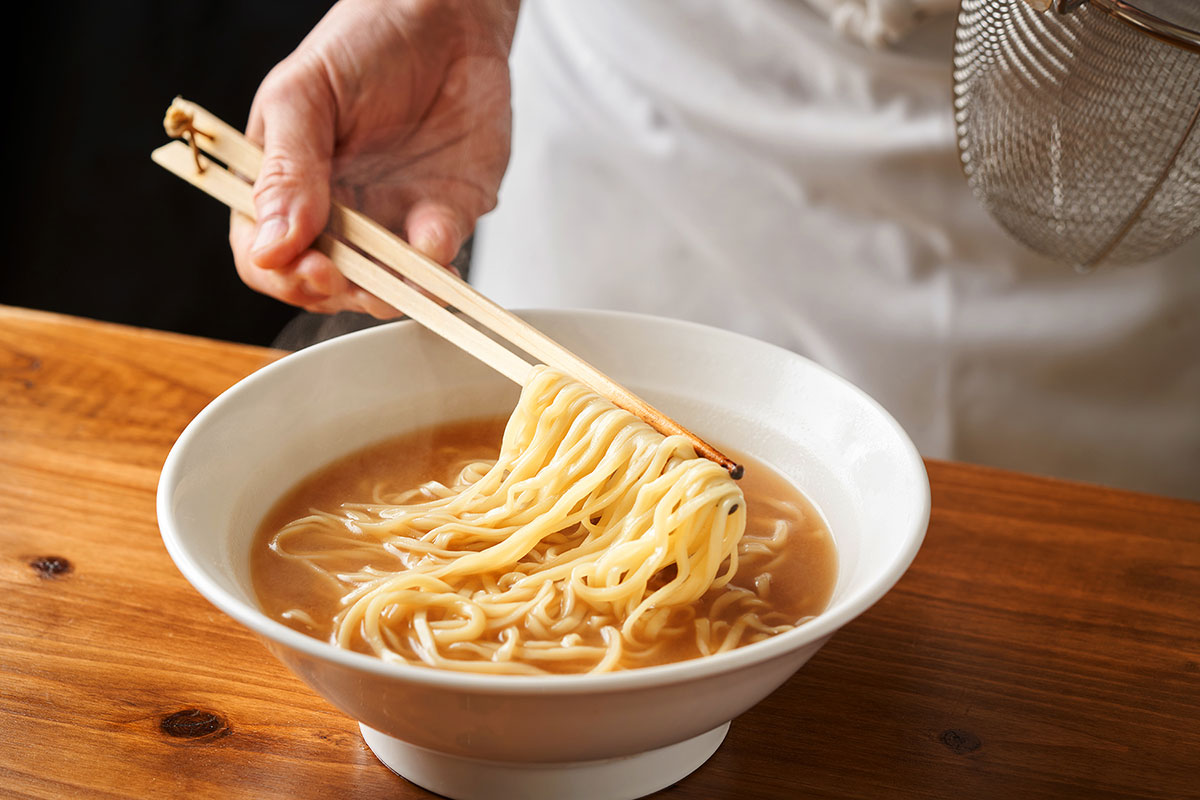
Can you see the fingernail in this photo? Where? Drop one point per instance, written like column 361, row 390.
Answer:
column 270, row 230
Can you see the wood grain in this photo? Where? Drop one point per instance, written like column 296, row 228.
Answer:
column 1044, row 644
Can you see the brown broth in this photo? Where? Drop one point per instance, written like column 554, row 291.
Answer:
column 801, row 582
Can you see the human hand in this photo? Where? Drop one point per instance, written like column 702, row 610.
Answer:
column 398, row 108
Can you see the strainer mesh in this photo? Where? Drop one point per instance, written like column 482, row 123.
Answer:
column 1074, row 130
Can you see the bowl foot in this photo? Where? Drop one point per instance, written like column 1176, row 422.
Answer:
column 623, row 778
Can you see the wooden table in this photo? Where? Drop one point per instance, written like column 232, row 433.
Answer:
column 1044, row 644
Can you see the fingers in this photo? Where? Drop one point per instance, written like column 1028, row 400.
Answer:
column 367, row 90
column 370, row 304
column 293, row 115
column 437, row 230
column 311, row 281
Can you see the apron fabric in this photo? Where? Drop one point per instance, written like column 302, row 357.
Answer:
column 744, row 165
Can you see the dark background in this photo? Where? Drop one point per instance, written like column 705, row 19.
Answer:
column 95, row 228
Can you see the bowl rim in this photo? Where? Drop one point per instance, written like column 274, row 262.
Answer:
column 823, row 625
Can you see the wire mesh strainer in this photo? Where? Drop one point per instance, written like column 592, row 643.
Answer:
column 1078, row 126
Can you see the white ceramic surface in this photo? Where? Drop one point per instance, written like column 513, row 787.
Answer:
column 620, row 778
column 541, row 734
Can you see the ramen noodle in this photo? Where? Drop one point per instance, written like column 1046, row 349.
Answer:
column 592, row 543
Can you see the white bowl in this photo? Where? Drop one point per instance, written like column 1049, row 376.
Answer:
column 606, row 736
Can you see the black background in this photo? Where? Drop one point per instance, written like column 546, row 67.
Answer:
column 95, row 228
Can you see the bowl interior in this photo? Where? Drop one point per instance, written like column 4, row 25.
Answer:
column 257, row 440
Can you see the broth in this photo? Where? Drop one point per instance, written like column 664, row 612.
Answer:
column 797, row 583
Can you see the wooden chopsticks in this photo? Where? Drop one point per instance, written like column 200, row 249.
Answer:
column 350, row 232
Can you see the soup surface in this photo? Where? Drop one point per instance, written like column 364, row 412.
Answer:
column 787, row 563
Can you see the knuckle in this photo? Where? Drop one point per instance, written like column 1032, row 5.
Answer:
column 281, row 82
column 278, row 173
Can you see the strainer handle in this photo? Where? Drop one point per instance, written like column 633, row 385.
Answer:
column 1144, row 21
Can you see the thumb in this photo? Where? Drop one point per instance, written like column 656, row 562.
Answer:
column 291, row 195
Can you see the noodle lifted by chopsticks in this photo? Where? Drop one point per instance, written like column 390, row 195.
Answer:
column 582, row 548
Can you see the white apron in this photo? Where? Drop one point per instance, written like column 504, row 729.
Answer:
column 740, row 164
